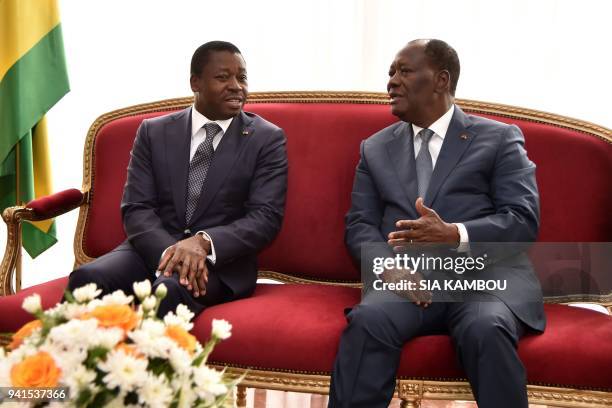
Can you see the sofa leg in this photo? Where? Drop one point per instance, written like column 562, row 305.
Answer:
column 241, row 394
column 410, row 403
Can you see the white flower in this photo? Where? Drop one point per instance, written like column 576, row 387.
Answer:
column 26, row 349
column 155, row 392
column 209, row 382
column 69, row 311
column 221, row 329
column 5, row 369
column 32, row 303
column 74, row 332
column 107, row 338
column 153, row 327
column 79, row 378
column 67, row 357
column 123, row 371
column 161, row 291
column 173, row 320
column 142, row 289
column 180, row 360
column 86, row 293
column 150, row 339
column 184, row 313
column 149, row 303
column 116, row 298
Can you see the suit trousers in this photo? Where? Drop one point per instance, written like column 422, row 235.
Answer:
column 484, row 333
column 120, row 268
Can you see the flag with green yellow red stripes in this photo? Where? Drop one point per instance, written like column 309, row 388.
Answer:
column 33, row 77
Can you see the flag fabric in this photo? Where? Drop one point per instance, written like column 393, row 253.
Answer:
column 33, row 77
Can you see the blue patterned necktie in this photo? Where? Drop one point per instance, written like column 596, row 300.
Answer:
column 198, row 168
column 424, row 164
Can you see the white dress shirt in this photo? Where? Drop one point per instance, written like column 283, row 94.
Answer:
column 198, row 135
column 439, row 127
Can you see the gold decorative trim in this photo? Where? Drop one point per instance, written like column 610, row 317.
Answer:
column 413, row 391
column 272, row 380
column 281, row 277
column 601, row 300
column 13, row 217
column 554, row 396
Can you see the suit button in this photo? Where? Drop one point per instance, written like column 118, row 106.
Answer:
column 187, row 232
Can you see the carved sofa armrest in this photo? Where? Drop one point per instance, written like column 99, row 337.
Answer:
column 42, row 208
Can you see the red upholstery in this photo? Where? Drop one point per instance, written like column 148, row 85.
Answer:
column 322, row 133
column 572, row 168
column 12, row 315
column 58, row 203
column 113, row 144
column 297, row 327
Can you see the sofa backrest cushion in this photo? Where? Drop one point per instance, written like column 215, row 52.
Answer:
column 573, row 171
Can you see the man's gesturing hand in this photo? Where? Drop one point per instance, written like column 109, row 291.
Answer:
column 188, row 259
column 428, row 228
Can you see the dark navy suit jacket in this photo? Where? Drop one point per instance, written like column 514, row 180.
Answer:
column 242, row 206
column 482, row 178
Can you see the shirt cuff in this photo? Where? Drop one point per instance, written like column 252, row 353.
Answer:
column 158, row 272
column 464, row 239
column 212, row 257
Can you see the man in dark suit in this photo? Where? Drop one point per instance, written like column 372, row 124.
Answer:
column 205, row 192
column 440, row 176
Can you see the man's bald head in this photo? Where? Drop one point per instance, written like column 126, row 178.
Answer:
column 442, row 57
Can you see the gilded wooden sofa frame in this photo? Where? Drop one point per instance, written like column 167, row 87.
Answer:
column 410, row 390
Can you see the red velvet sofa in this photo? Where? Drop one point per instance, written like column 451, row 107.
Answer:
column 287, row 335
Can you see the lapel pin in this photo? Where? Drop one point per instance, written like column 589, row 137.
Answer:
column 245, row 133
column 464, row 136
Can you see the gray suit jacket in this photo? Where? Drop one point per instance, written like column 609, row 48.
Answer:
column 243, row 205
column 482, row 178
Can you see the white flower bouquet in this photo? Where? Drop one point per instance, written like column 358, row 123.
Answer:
column 108, row 352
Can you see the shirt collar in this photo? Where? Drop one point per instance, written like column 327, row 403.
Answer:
column 440, row 126
column 198, row 120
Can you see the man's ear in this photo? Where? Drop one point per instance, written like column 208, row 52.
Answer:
column 193, row 81
column 443, row 81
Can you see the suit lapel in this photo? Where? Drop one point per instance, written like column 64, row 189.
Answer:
column 227, row 152
column 458, row 139
column 178, row 143
column 401, row 155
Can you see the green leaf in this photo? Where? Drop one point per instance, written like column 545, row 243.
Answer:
column 131, row 398
column 84, row 397
column 94, row 355
column 69, row 297
column 103, row 397
column 160, row 366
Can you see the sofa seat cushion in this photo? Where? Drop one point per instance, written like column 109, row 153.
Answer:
column 12, row 315
column 575, row 349
column 297, row 328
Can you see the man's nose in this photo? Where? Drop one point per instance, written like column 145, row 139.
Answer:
column 392, row 83
column 235, row 84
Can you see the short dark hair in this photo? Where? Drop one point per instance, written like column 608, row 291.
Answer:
column 444, row 57
column 202, row 54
